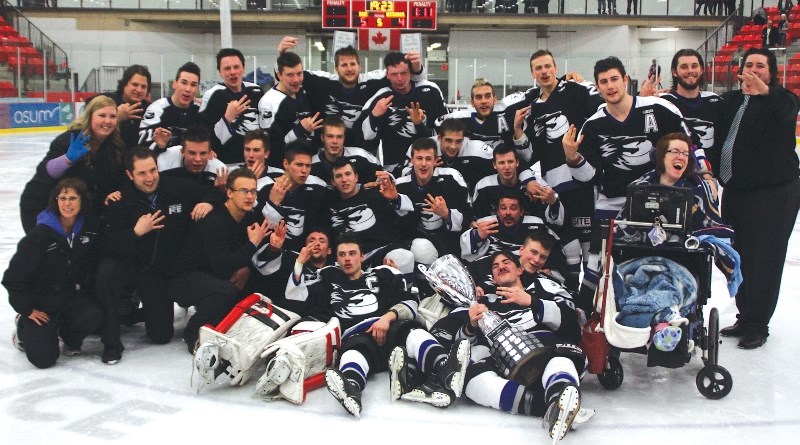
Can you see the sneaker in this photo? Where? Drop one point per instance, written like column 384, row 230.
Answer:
column 402, row 376
column 345, row 391
column 431, row 392
column 562, row 412
column 69, row 351
column 452, row 370
column 112, row 354
column 14, row 337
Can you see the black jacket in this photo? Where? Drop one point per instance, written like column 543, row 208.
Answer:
column 103, row 173
column 763, row 153
column 158, row 248
column 48, row 269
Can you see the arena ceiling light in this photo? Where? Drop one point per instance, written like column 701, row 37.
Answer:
column 665, row 29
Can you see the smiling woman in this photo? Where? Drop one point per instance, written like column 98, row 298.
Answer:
column 91, row 149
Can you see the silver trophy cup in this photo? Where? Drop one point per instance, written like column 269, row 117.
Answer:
column 519, row 355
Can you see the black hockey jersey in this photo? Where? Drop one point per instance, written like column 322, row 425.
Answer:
column 281, row 115
column 415, row 219
column 700, row 114
column 368, row 214
column 228, row 136
column 474, row 161
column 364, row 164
column 164, row 114
column 302, row 209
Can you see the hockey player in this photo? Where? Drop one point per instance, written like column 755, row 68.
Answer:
column 284, row 109
column 376, row 313
column 400, row 113
column 166, row 119
column 296, row 197
column 192, row 160
column 256, row 153
column 544, row 309
column 344, row 93
column 506, row 180
column 431, row 202
column 334, row 133
column 230, row 108
column 473, row 159
column 554, row 105
column 614, row 149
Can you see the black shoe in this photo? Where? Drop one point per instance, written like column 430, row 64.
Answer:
column 452, row 370
column 345, row 391
column 753, row 340
column 735, row 330
column 112, row 354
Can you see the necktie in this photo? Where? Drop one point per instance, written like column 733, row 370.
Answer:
column 153, row 198
column 726, row 159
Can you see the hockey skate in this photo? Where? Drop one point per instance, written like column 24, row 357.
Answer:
column 15, row 335
column 403, row 376
column 562, row 412
column 344, row 391
column 452, row 370
column 583, row 416
column 431, row 392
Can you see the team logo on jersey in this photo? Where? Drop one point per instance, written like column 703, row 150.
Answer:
column 176, row 208
column 400, row 124
column 353, row 303
column 353, row 219
column 626, row 152
column 348, row 112
column 521, row 318
column 150, row 115
column 295, row 221
column 497, row 245
column 555, row 124
column 83, row 239
column 704, row 130
column 246, row 121
column 428, row 220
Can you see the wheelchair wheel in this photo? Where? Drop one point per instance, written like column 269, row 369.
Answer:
column 713, row 337
column 612, row 377
column 714, row 382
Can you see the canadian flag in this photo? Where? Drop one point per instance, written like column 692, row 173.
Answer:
column 379, row 39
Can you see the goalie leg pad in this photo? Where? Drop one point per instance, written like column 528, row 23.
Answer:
column 295, row 362
column 240, row 339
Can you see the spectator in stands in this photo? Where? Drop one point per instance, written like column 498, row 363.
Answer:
column 785, row 8
column 759, row 17
column 635, row 4
column 783, row 30
column 91, row 149
column 769, row 35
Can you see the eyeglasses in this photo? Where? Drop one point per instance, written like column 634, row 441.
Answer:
column 245, row 192
column 676, row 152
column 69, row 198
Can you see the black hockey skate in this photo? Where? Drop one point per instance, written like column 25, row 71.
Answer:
column 403, row 374
column 345, row 391
column 452, row 370
column 561, row 412
column 431, row 392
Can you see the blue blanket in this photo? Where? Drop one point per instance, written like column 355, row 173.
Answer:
column 651, row 290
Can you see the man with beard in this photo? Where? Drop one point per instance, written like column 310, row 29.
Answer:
column 702, row 110
column 166, row 119
column 614, row 149
column 229, row 109
column 284, row 110
column 376, row 313
column 334, row 133
column 296, row 197
column 402, row 112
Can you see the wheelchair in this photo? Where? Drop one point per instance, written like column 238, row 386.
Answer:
column 713, row 380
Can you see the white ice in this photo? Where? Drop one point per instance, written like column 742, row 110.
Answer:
column 147, row 397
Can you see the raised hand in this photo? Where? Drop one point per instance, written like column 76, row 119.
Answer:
column 287, row 43
column 129, row 111
column 519, row 121
column 388, row 188
column 148, row 222
column 382, row 106
column 487, row 228
column 77, row 147
column 415, row 113
column 236, row 107
column 437, row 205
column 257, row 232
column 161, row 137
column 278, row 235
column 311, row 123
column 571, row 144
column 279, row 190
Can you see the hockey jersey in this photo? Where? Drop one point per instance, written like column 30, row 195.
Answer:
column 364, row 164
column 228, row 136
column 164, row 114
column 281, row 115
column 368, row 214
column 302, row 208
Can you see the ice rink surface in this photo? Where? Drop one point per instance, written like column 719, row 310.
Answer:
column 147, row 398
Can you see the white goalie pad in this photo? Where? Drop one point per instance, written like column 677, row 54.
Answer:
column 431, row 310
column 296, row 364
column 229, row 351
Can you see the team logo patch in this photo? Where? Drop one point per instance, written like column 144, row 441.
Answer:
column 175, row 208
column 84, row 239
column 150, row 115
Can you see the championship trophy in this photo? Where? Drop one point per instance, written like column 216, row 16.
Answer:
column 520, row 356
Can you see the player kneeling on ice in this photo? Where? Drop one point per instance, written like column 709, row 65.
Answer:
column 376, row 313
column 544, row 310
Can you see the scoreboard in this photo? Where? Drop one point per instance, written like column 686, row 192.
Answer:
column 375, row 14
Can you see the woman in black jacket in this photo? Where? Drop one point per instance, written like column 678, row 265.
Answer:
column 91, row 150
column 49, row 279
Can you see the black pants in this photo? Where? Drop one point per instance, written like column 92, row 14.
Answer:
column 763, row 220
column 213, row 298
column 73, row 324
